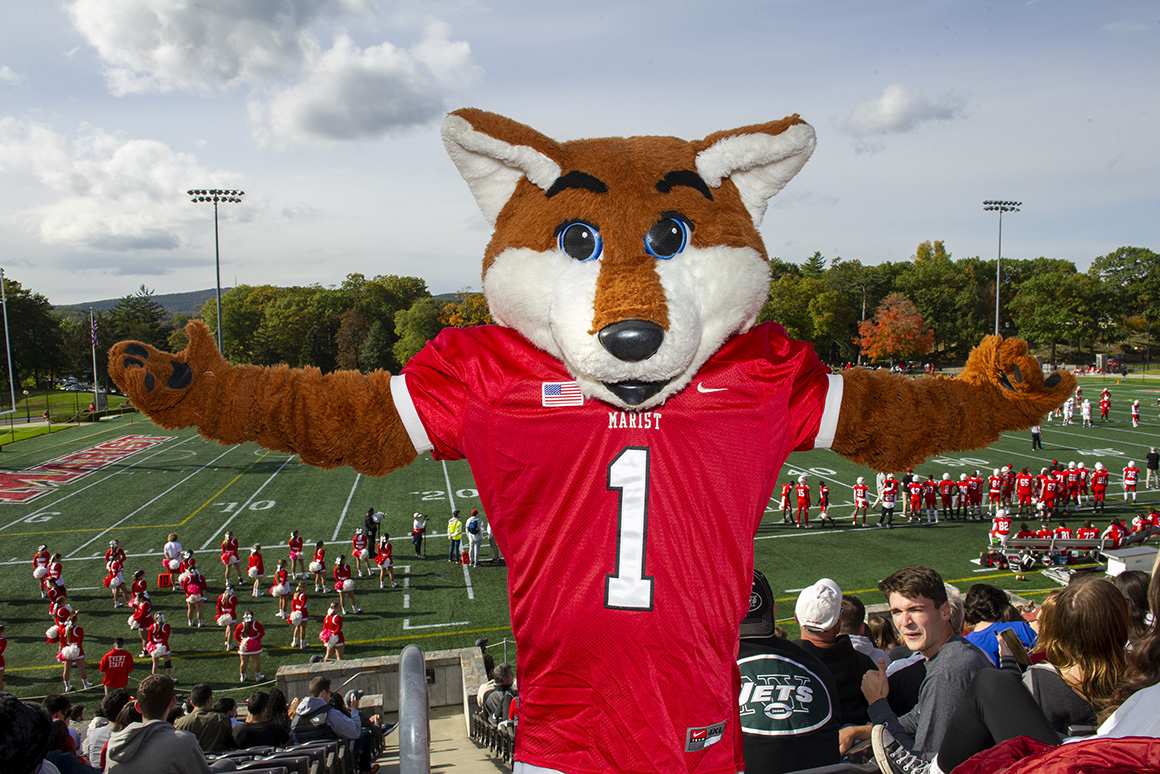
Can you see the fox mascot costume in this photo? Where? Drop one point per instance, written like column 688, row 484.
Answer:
column 626, row 399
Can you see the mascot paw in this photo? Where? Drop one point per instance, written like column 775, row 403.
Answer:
column 1006, row 364
column 156, row 380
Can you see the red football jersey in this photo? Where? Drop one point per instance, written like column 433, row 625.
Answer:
column 1100, row 479
column 623, row 485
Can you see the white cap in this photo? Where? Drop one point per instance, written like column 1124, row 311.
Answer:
column 861, row 480
column 1001, row 513
column 819, row 605
column 996, row 472
column 1071, row 466
column 1099, row 466
column 946, row 476
column 801, row 479
column 962, row 477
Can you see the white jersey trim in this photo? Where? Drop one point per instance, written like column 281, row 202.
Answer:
column 828, row 427
column 409, row 416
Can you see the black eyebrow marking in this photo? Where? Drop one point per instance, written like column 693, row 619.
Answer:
column 684, row 177
column 577, row 179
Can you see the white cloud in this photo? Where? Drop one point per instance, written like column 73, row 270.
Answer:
column 10, row 78
column 1129, row 27
column 108, row 193
column 161, row 46
column 349, row 93
column 899, row 109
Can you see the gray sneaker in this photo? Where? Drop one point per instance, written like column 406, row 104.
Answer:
column 892, row 757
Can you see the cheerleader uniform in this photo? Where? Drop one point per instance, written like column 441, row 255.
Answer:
column 331, row 634
column 249, row 636
column 227, row 606
column 157, row 641
column 230, row 552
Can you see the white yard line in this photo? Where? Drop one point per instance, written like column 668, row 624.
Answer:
column 346, row 507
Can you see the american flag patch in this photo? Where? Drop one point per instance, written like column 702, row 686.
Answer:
column 554, row 394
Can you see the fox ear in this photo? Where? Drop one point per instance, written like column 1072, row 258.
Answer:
column 492, row 153
column 759, row 159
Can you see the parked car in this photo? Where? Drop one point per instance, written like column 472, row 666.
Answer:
column 1115, row 366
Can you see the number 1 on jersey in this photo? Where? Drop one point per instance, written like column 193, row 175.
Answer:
column 629, row 588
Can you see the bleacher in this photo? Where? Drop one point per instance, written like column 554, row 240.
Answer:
column 1057, row 551
column 318, row 757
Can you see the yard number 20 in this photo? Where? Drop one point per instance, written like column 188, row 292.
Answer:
column 629, row 588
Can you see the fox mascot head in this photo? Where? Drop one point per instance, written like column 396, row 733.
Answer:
column 630, row 259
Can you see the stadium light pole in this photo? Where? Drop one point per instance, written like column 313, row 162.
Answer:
column 992, row 205
column 216, row 195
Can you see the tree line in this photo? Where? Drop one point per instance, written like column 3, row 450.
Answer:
column 931, row 306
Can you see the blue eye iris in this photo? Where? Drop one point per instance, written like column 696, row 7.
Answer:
column 666, row 238
column 580, row 241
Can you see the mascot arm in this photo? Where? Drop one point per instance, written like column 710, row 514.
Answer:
column 889, row 422
column 341, row 418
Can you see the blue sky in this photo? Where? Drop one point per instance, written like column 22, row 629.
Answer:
column 327, row 112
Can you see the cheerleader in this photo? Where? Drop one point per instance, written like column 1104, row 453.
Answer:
column 187, row 561
column 298, row 617
column 249, row 634
column 256, row 569
column 57, row 599
column 114, row 551
column 384, row 561
column 61, row 612
column 297, row 563
column 115, row 580
column 142, row 618
column 139, row 585
column 227, row 615
column 171, row 556
column 40, row 562
column 55, row 571
column 344, row 585
column 194, row 587
column 281, row 588
column 230, row 556
column 360, row 552
column 72, row 651
column 3, row 646
column 157, row 645
column 331, row 635
column 318, row 566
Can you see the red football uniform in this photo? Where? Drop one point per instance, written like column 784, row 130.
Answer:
column 889, row 493
column 1063, row 532
column 861, row 495
column 947, row 489
column 472, row 391
column 1099, row 481
column 1131, row 475
column 994, row 488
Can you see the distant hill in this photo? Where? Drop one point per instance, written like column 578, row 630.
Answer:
column 174, row 303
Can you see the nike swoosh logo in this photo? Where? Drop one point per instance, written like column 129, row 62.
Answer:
column 702, row 388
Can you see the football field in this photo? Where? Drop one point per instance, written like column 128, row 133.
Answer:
column 126, row 479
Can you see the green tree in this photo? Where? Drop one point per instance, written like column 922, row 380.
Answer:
column 377, row 348
column 139, row 317
column 416, row 326
column 34, row 336
column 353, row 330
column 1060, row 306
column 1133, row 274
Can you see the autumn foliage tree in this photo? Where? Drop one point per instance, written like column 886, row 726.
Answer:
column 896, row 331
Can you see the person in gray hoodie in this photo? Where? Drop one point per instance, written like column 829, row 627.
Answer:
column 317, row 718
column 153, row 746
column 101, row 726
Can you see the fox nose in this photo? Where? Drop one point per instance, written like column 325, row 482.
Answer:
column 632, row 340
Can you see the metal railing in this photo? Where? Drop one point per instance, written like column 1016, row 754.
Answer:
column 414, row 723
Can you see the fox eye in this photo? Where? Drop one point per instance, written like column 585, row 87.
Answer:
column 580, row 241
column 667, row 237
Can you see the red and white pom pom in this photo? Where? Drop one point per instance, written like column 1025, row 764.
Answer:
column 295, row 617
column 69, row 653
column 133, row 624
column 194, row 598
column 250, row 646
column 229, row 558
column 362, row 553
column 328, row 638
column 39, row 573
column 253, row 572
column 225, row 619
column 348, row 585
column 280, row 590
column 173, row 564
column 316, row 567
column 157, row 649
column 183, row 577
column 294, row 555
column 52, row 633
column 107, row 581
